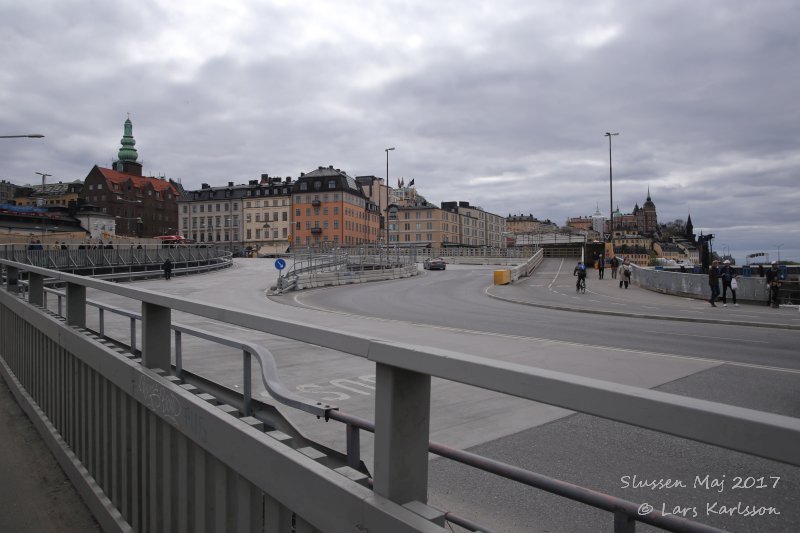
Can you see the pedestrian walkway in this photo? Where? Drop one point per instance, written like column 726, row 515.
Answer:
column 35, row 494
column 552, row 286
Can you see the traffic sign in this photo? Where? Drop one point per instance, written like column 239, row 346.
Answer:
column 280, row 264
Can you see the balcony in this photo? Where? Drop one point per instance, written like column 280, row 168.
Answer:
column 316, row 230
column 315, row 203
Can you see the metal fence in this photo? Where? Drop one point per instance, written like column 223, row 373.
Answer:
column 151, row 453
column 97, row 260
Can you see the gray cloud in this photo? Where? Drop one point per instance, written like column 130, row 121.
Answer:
column 502, row 104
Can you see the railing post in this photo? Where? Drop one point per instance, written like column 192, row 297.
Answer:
column 402, row 427
column 353, row 446
column 12, row 279
column 623, row 523
column 35, row 289
column 156, row 327
column 76, row 305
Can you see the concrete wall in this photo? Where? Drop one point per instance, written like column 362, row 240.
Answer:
column 751, row 289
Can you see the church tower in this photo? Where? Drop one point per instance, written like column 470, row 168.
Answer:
column 649, row 218
column 127, row 156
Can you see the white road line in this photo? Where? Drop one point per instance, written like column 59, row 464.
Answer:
column 557, row 273
column 639, row 353
column 705, row 337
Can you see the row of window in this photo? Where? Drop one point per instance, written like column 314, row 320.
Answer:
column 226, row 206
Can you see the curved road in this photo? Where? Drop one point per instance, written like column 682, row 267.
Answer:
column 747, row 366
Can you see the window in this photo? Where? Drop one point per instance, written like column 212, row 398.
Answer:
column 297, row 212
column 185, row 209
column 331, row 184
column 335, row 224
column 304, row 186
column 284, row 216
column 335, row 210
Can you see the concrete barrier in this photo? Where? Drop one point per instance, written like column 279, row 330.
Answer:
column 345, row 277
column 751, row 290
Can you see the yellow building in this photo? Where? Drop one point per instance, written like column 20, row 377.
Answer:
column 55, row 194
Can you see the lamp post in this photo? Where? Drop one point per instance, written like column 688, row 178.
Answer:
column 610, row 188
column 386, row 222
column 44, row 202
column 29, row 136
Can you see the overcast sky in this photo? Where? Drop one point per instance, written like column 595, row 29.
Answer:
column 502, row 104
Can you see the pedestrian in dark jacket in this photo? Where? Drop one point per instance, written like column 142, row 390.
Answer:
column 773, row 284
column 713, row 282
column 726, row 275
column 167, row 268
column 601, row 266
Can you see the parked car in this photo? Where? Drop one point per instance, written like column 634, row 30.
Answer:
column 434, row 263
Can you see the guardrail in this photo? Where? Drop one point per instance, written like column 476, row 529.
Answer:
column 97, row 261
column 102, row 403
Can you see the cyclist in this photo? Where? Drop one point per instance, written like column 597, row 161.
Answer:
column 580, row 271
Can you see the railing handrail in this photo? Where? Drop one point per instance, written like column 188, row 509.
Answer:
column 758, row 433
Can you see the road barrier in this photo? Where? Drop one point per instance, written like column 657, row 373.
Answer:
column 149, row 452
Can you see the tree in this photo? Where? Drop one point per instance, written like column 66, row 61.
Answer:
column 676, row 228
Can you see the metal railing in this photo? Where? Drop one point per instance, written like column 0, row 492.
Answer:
column 403, row 379
column 97, row 260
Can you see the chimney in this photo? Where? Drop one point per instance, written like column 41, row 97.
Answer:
column 230, row 184
column 205, row 186
column 253, row 182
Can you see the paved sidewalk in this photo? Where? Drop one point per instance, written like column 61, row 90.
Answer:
column 35, row 494
column 552, row 286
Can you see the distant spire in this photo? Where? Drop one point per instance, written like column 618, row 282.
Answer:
column 128, row 152
column 648, row 194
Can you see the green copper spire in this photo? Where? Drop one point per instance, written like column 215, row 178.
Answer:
column 128, row 152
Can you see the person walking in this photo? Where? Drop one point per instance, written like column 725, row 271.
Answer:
column 626, row 272
column 773, row 284
column 734, row 286
column 726, row 275
column 167, row 268
column 614, row 266
column 713, row 282
column 601, row 266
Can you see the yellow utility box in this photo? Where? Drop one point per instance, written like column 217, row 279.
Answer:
column 502, row 277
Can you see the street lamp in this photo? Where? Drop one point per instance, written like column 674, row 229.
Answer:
column 386, row 221
column 44, row 202
column 778, row 246
column 29, row 136
column 610, row 188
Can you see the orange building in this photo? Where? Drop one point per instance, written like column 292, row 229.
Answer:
column 328, row 206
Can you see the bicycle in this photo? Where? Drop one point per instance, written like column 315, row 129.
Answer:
column 580, row 285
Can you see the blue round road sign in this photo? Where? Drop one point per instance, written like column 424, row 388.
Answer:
column 280, row 264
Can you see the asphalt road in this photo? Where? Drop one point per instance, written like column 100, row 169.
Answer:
column 736, row 364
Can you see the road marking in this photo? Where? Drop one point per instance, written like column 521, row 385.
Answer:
column 640, row 353
column 557, row 273
column 705, row 337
